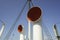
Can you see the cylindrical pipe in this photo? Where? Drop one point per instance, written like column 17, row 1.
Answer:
column 34, row 15
column 37, row 32
column 54, row 29
column 21, row 36
column 21, row 31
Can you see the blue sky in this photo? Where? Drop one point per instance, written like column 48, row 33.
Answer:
column 10, row 9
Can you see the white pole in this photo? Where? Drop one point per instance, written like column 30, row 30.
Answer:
column 25, row 37
column 37, row 30
column 29, row 32
column 2, row 29
column 21, row 36
column 54, row 29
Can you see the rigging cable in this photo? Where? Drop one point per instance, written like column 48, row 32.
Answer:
column 2, row 21
column 32, row 3
column 45, row 29
column 12, row 27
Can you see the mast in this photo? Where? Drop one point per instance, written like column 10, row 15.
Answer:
column 29, row 23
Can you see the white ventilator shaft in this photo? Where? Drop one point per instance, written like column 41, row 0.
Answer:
column 2, row 29
column 54, row 31
column 37, row 32
column 29, row 32
column 21, row 36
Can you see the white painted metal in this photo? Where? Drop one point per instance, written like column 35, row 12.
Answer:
column 54, row 31
column 29, row 31
column 21, row 36
column 2, row 29
column 37, row 32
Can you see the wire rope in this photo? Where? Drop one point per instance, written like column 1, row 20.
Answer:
column 45, row 29
column 12, row 27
